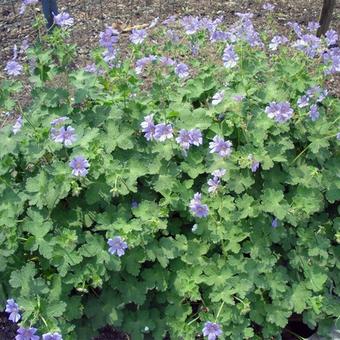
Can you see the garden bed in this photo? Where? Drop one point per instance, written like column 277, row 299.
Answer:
column 181, row 183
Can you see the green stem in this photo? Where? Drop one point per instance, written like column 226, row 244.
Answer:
column 219, row 311
column 193, row 320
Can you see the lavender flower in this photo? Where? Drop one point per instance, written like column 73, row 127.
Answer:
column 187, row 138
column 79, row 166
column 169, row 20
column 65, row 136
column 13, row 309
column 173, row 36
column 108, row 38
column 22, row 9
column 182, row 70
column 219, row 173
column 117, row 246
column 138, row 36
column 110, row 55
column 244, row 16
column 217, row 98
column 254, row 164
column 210, row 25
column 13, row 68
column 148, row 127
column 296, row 27
column 195, row 137
column 317, row 93
column 314, row 113
column 213, row 184
column 220, row 146
column 52, row 336
column 143, row 62
column 268, row 7
column 191, row 24
column 26, row 3
column 309, row 44
column 24, row 45
column 331, row 37
column 245, row 30
column 238, row 97
column 303, row 101
column 276, row 41
column 63, row 19
column 30, row 2
column 184, row 139
column 91, row 68
column 212, row 330
column 230, row 57
column 58, row 121
column 166, row 61
column 197, row 208
column 134, row 204
column 332, row 58
column 281, row 112
column 18, row 125
column 195, row 49
column 163, row 132
column 275, row 223
column 313, row 26
column 219, row 36
column 27, row 334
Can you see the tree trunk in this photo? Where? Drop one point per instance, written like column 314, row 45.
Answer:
column 326, row 16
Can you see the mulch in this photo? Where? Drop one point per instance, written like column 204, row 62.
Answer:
column 8, row 329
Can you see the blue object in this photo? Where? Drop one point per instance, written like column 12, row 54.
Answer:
column 50, row 9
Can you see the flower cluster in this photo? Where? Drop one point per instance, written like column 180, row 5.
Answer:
column 215, row 181
column 197, row 208
column 332, row 59
column 181, row 69
column 26, row 3
column 62, row 134
column 138, row 36
column 159, row 132
column 309, row 44
column 108, row 39
column 281, row 112
column 30, row 334
column 63, row 20
column 193, row 24
column 311, row 98
column 245, row 30
column 189, row 137
column 117, row 246
column 276, row 41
